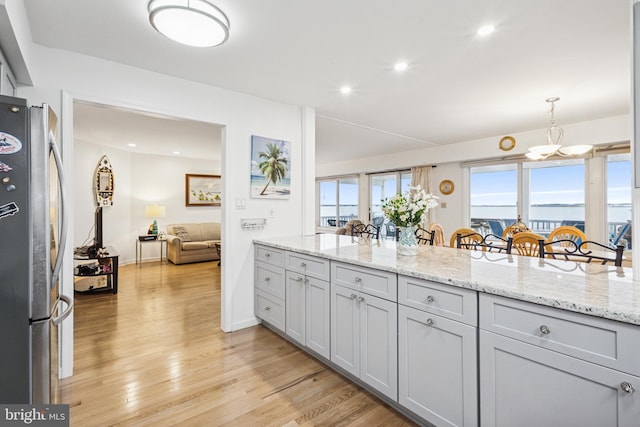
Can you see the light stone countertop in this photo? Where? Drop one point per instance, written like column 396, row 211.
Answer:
column 594, row 289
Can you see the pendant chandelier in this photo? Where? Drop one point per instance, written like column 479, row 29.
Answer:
column 195, row 23
column 553, row 146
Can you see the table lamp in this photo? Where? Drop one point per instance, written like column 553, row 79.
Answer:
column 154, row 211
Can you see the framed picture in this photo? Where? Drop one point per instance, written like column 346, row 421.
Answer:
column 270, row 166
column 202, row 190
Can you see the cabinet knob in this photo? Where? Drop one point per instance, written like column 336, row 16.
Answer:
column 360, row 299
column 627, row 387
column 299, row 279
column 267, row 308
column 358, row 279
column 430, row 299
column 429, row 322
column 545, row 329
column 267, row 255
column 267, row 279
column 303, row 265
column 354, row 296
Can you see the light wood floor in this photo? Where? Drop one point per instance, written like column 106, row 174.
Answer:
column 154, row 355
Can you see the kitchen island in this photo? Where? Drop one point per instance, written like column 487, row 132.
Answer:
column 552, row 342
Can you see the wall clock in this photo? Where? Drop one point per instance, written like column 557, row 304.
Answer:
column 507, row 143
column 446, row 187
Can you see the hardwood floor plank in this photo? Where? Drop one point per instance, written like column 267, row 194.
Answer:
column 154, row 355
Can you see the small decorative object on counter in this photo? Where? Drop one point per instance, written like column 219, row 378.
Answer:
column 407, row 211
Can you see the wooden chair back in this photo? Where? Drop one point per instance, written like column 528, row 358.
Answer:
column 566, row 233
column 438, row 234
column 527, row 243
column 470, row 232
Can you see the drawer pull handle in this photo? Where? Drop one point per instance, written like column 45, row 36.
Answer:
column 303, row 265
column 267, row 308
column 267, row 279
column 267, row 255
column 299, row 279
column 545, row 329
column 360, row 299
column 627, row 387
column 429, row 322
column 358, row 279
column 430, row 299
column 354, row 296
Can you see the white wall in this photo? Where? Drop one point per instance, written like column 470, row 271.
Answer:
column 61, row 77
column 139, row 180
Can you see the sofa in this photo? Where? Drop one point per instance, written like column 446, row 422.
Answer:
column 193, row 242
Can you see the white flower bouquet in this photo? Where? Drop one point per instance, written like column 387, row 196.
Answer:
column 410, row 208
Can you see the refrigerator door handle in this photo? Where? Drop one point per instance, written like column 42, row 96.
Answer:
column 57, row 320
column 63, row 226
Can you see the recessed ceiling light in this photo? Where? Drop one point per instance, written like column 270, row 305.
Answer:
column 486, row 30
column 176, row 152
column 131, row 145
column 345, row 90
column 401, row 66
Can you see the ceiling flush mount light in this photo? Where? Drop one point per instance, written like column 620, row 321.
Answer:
column 554, row 135
column 486, row 30
column 195, row 23
column 401, row 66
column 345, row 90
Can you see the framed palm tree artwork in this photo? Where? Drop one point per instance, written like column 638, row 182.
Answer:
column 270, row 166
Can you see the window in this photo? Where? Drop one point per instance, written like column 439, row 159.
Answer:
column 556, row 194
column 494, row 197
column 382, row 186
column 619, row 199
column 338, row 201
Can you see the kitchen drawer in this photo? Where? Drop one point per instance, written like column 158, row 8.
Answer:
column 270, row 279
column 601, row 341
column 308, row 265
column 447, row 301
column 374, row 282
column 270, row 255
column 270, row 309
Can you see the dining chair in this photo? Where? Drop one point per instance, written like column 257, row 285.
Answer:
column 527, row 243
column 424, row 237
column 571, row 250
column 453, row 241
column 487, row 243
column 567, row 232
column 392, row 231
column 438, row 234
column 365, row 230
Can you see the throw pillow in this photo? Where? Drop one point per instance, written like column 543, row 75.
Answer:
column 182, row 234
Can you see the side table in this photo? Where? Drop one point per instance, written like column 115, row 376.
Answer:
column 96, row 274
column 140, row 243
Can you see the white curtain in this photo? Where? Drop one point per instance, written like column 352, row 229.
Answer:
column 423, row 176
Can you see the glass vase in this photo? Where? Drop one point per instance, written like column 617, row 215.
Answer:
column 407, row 242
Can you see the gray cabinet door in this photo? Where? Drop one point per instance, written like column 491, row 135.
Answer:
column 345, row 329
column 295, row 306
column 526, row 385
column 379, row 344
column 317, row 316
column 437, row 368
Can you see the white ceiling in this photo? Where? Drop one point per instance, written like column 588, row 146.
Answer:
column 458, row 86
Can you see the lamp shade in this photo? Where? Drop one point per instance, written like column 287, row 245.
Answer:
column 195, row 23
column 155, row 211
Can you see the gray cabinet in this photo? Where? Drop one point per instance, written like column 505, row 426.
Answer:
column 364, row 338
column 307, row 302
column 269, row 286
column 437, row 356
column 544, row 366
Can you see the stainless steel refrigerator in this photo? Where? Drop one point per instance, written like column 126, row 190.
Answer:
column 32, row 236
